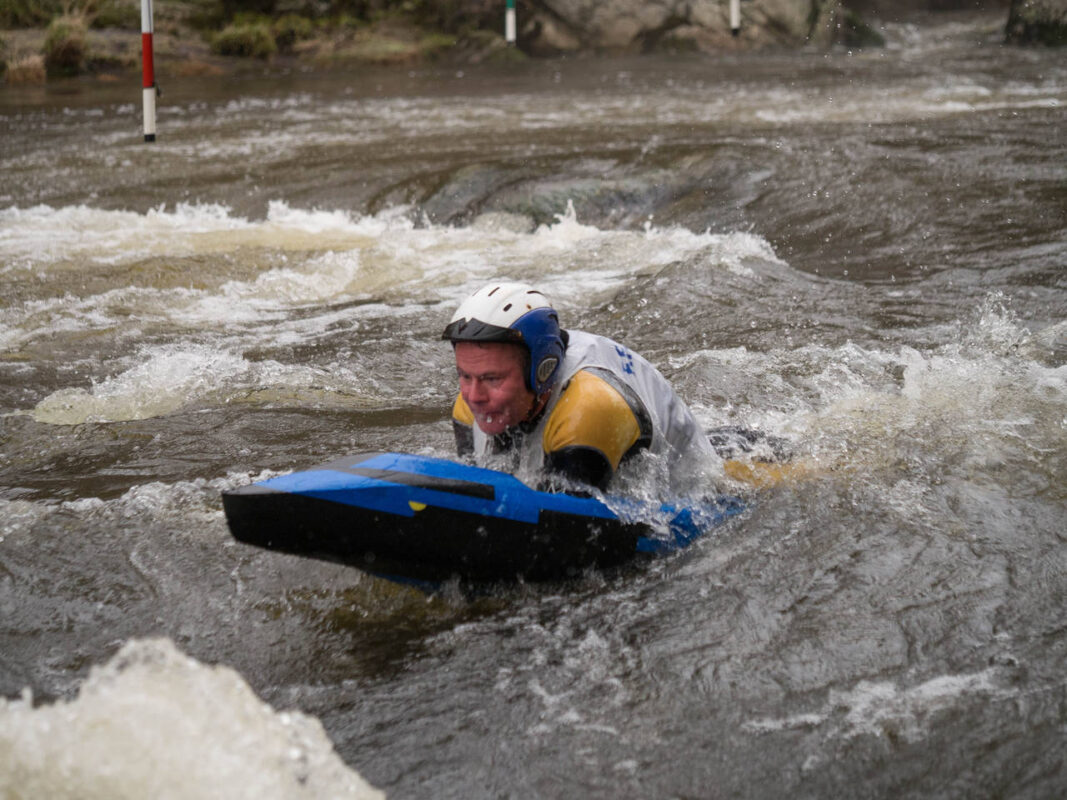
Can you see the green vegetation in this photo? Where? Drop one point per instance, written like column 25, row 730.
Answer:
column 65, row 46
column 21, row 14
column 249, row 39
column 121, row 14
column 62, row 38
column 447, row 16
column 290, row 29
column 27, row 13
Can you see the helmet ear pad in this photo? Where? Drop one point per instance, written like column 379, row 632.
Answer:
column 542, row 376
column 540, row 332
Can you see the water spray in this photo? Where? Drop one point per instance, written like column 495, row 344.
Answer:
column 148, row 72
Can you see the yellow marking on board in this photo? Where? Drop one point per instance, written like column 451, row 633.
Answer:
column 764, row 474
column 416, row 506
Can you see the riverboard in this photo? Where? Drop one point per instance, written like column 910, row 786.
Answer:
column 423, row 519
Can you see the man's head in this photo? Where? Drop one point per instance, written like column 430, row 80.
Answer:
column 492, row 382
column 509, row 349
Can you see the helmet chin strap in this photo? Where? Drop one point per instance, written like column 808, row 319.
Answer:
column 536, row 407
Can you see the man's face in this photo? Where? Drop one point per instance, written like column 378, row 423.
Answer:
column 492, row 384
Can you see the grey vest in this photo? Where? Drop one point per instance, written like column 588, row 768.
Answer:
column 677, row 439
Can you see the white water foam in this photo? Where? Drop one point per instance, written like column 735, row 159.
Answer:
column 366, row 121
column 315, row 260
column 164, row 383
column 17, row 516
column 982, row 397
column 44, row 238
column 979, row 401
column 40, row 237
column 170, row 378
column 879, row 708
column 195, row 501
column 155, row 723
column 580, row 265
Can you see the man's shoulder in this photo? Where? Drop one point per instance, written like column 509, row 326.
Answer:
column 587, row 337
column 461, row 412
column 592, row 386
column 584, row 347
column 592, row 412
column 598, row 397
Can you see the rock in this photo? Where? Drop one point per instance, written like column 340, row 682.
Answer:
column 560, row 26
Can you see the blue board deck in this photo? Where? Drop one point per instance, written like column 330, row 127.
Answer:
column 429, row 519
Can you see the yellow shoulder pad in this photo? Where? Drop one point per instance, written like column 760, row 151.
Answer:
column 591, row 413
column 461, row 411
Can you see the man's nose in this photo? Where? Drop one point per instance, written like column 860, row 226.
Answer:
column 476, row 391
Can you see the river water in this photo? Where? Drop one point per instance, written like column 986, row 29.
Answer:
column 861, row 252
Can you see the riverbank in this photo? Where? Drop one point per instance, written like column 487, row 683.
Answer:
column 183, row 50
column 190, row 43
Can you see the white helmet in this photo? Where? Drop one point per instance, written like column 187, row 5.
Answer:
column 518, row 313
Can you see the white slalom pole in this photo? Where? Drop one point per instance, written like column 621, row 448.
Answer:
column 509, row 23
column 735, row 17
column 148, row 72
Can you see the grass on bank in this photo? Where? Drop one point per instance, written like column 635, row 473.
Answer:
column 65, row 46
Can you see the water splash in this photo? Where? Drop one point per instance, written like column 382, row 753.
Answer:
column 167, row 379
column 153, row 722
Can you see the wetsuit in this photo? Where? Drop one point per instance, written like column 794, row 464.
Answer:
column 608, row 404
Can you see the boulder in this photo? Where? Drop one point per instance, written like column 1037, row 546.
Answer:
column 627, row 26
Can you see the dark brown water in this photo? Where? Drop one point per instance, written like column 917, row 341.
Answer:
column 862, row 252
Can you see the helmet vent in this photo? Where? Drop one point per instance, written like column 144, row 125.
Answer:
column 507, row 307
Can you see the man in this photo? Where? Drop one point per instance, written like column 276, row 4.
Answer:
column 568, row 405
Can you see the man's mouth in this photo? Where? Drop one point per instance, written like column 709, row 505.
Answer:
column 487, row 419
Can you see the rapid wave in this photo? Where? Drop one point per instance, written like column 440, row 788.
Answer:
column 290, row 279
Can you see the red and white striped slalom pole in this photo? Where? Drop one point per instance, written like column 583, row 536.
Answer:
column 148, row 72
